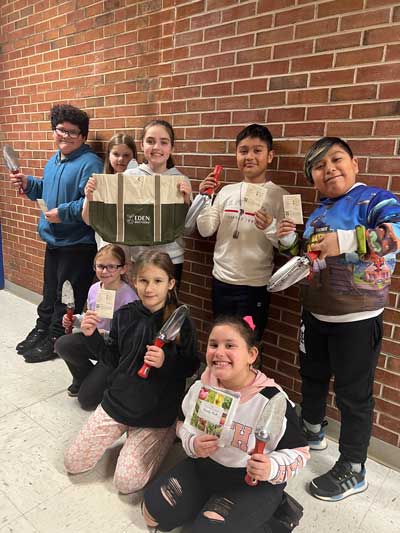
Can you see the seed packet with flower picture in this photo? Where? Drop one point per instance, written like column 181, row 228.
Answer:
column 211, row 410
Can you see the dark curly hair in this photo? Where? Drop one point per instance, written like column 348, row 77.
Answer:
column 60, row 113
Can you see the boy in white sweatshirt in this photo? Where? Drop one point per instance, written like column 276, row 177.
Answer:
column 243, row 253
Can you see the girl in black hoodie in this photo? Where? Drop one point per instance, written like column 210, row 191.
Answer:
column 144, row 409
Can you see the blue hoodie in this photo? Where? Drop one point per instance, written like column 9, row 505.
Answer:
column 63, row 187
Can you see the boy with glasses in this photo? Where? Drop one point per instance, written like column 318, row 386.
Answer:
column 70, row 244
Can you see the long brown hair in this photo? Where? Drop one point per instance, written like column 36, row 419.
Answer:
column 169, row 129
column 118, row 253
column 118, row 138
column 163, row 261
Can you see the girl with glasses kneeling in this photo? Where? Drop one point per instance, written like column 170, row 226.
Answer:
column 90, row 380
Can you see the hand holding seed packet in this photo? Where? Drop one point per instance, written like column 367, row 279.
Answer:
column 293, row 208
column 211, row 412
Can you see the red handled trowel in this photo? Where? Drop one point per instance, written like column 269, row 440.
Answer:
column 11, row 160
column 167, row 333
column 269, row 427
column 199, row 203
column 67, row 298
column 296, row 269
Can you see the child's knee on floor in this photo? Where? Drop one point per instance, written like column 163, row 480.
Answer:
column 170, row 492
column 72, row 466
column 147, row 517
column 126, row 485
column 69, row 466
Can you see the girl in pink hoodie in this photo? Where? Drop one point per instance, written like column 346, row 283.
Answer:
column 222, row 409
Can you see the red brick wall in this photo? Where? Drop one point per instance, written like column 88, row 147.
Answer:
column 210, row 67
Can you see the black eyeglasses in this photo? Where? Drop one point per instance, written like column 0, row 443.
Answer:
column 74, row 134
column 109, row 268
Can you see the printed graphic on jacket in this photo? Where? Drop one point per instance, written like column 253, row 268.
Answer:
column 138, row 210
column 355, row 282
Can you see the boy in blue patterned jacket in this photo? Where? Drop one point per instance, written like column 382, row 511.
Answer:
column 356, row 230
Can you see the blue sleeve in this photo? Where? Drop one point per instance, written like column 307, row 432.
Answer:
column 34, row 188
column 70, row 212
column 383, row 224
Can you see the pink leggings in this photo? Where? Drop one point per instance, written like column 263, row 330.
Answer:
column 139, row 459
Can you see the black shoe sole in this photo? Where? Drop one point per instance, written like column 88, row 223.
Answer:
column 40, row 360
column 23, row 350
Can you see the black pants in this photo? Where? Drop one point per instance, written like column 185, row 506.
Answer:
column 195, row 486
column 348, row 351
column 74, row 263
column 91, row 378
column 241, row 300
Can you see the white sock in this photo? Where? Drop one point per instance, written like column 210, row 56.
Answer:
column 315, row 428
column 356, row 467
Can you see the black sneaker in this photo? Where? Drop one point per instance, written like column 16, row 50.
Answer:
column 340, row 482
column 33, row 338
column 316, row 440
column 286, row 517
column 44, row 351
column 73, row 390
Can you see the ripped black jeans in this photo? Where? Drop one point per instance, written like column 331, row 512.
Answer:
column 198, row 486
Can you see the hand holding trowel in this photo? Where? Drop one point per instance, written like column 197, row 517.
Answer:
column 167, row 333
column 67, row 298
column 269, row 427
column 199, row 203
column 298, row 268
column 11, row 160
column 217, row 171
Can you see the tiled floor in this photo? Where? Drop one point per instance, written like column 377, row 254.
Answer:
column 37, row 419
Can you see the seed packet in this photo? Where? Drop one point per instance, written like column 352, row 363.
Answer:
column 211, row 411
column 293, row 208
column 254, row 197
column 105, row 303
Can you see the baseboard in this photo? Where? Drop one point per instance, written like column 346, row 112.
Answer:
column 378, row 450
column 22, row 292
